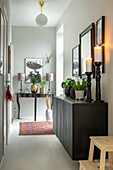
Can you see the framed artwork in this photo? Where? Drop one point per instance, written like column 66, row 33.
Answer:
column 33, row 66
column 75, row 60
column 100, row 38
column 100, row 31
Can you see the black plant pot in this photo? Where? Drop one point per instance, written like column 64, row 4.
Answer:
column 67, row 91
column 72, row 93
column 85, row 93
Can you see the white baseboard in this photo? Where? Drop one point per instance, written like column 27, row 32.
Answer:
column 1, row 162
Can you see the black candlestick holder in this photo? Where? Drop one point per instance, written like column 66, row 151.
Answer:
column 88, row 90
column 98, row 87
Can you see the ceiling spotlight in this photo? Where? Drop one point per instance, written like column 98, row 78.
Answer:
column 41, row 19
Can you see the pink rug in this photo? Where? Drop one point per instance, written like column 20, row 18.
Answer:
column 36, row 128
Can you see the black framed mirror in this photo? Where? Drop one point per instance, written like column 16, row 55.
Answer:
column 87, row 43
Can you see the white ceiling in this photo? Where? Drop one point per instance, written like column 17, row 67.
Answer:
column 24, row 12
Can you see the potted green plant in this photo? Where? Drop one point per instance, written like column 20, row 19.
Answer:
column 80, row 88
column 67, row 85
column 43, row 89
column 34, row 79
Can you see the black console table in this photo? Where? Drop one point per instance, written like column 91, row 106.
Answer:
column 30, row 95
column 75, row 121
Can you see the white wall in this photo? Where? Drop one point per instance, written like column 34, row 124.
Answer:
column 59, row 60
column 32, row 42
column 8, row 11
column 78, row 16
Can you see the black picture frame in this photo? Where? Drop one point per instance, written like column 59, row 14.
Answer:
column 33, row 70
column 91, row 28
column 75, row 61
column 100, row 39
column 100, row 31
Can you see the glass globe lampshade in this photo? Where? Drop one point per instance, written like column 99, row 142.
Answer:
column 41, row 20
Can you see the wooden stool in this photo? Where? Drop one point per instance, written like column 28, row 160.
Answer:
column 87, row 165
column 105, row 144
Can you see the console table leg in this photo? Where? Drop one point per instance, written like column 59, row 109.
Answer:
column 18, row 107
column 35, row 108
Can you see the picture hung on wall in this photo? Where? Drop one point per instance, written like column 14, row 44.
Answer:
column 100, row 31
column 75, row 60
column 33, row 66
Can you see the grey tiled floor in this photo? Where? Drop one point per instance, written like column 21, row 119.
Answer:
column 36, row 153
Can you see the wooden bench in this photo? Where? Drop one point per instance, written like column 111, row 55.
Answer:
column 87, row 165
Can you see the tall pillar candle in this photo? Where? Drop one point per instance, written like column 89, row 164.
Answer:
column 88, row 64
column 97, row 54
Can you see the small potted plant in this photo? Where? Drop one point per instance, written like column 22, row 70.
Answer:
column 43, row 89
column 67, row 85
column 79, row 89
column 34, row 79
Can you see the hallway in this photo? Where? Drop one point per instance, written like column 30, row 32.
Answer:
column 35, row 153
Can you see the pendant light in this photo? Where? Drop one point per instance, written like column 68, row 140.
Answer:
column 41, row 19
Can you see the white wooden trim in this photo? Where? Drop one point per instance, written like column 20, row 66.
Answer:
column 4, row 12
column 1, row 162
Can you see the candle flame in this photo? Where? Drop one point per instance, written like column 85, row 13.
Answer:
column 97, row 47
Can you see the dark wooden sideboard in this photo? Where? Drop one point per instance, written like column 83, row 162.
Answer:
column 75, row 121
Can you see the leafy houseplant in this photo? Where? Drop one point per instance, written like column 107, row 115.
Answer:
column 34, row 79
column 43, row 83
column 68, row 82
column 80, row 88
column 67, row 85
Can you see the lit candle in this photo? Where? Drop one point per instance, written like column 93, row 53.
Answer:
column 97, row 54
column 88, row 64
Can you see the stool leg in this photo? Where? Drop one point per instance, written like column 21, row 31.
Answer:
column 102, row 160
column 80, row 168
column 111, row 160
column 91, row 151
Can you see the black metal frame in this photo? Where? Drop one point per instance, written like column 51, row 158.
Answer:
column 78, row 46
column 102, row 41
column 91, row 28
column 103, row 31
column 25, row 67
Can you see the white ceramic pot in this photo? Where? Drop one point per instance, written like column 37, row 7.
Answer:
column 79, row 94
column 48, row 115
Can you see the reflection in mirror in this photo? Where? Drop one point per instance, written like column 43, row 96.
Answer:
column 87, row 42
column 75, row 60
column 85, row 50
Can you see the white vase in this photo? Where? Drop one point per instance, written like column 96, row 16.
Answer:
column 48, row 115
column 79, row 94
